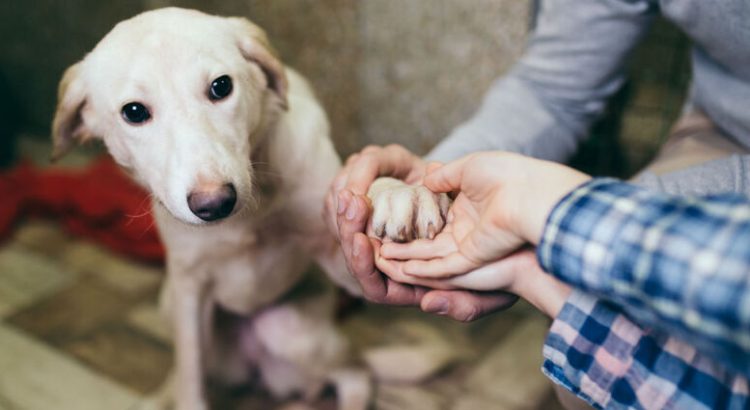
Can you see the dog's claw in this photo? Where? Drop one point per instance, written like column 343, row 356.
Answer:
column 380, row 231
column 402, row 235
column 431, row 231
column 403, row 212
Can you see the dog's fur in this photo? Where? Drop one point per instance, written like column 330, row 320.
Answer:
column 269, row 139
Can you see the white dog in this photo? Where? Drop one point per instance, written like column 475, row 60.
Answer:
column 235, row 151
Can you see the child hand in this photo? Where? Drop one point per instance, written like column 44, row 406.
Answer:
column 503, row 201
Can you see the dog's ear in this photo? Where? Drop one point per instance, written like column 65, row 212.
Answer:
column 68, row 127
column 255, row 47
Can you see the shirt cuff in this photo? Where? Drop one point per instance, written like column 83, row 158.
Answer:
column 589, row 348
column 568, row 207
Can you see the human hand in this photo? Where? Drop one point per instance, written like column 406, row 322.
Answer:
column 347, row 210
column 360, row 256
column 361, row 170
column 518, row 274
column 503, row 202
column 501, row 274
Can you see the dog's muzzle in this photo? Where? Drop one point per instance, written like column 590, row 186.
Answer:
column 213, row 204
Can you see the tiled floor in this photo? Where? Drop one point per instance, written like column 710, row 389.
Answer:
column 79, row 330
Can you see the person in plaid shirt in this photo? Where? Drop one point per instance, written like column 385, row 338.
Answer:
column 678, row 266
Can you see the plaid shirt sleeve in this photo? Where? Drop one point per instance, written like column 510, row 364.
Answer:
column 599, row 354
column 679, row 265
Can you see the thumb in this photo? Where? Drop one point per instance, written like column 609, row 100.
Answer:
column 446, row 178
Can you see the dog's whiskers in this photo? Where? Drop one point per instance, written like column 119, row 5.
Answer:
column 147, row 210
column 145, row 213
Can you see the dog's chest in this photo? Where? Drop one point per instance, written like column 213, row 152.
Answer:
column 260, row 276
column 247, row 264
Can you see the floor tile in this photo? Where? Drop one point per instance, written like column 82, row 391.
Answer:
column 146, row 318
column 128, row 277
column 34, row 377
column 45, row 237
column 125, row 355
column 72, row 313
column 27, row 276
column 118, row 272
column 511, row 372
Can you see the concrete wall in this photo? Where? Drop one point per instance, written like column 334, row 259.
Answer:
column 387, row 71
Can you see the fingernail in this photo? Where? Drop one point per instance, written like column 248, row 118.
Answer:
column 438, row 306
column 351, row 210
column 343, row 201
column 356, row 250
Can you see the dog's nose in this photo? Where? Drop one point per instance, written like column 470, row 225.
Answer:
column 213, row 203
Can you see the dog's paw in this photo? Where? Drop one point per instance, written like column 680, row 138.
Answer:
column 403, row 212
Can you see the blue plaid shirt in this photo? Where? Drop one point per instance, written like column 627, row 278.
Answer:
column 680, row 267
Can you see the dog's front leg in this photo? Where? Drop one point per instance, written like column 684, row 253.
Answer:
column 191, row 301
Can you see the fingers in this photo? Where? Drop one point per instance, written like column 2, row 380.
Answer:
column 502, row 274
column 376, row 287
column 394, row 271
column 442, row 245
column 362, row 267
column 392, row 160
column 351, row 217
column 443, row 267
column 332, row 205
column 466, row 306
column 448, row 177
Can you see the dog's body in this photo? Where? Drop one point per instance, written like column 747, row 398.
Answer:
column 257, row 158
column 247, row 263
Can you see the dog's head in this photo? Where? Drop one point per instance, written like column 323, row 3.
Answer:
column 179, row 99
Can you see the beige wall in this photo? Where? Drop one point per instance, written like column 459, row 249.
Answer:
column 426, row 64
column 402, row 71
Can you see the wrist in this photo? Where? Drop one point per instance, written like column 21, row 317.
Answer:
column 555, row 184
column 543, row 291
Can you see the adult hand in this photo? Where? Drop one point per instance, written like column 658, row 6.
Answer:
column 347, row 211
column 360, row 252
column 503, row 201
column 361, row 170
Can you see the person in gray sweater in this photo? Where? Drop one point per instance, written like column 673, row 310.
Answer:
column 543, row 107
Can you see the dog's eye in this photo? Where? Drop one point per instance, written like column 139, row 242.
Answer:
column 135, row 113
column 220, row 88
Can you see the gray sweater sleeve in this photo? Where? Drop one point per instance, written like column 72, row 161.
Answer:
column 730, row 174
column 574, row 60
